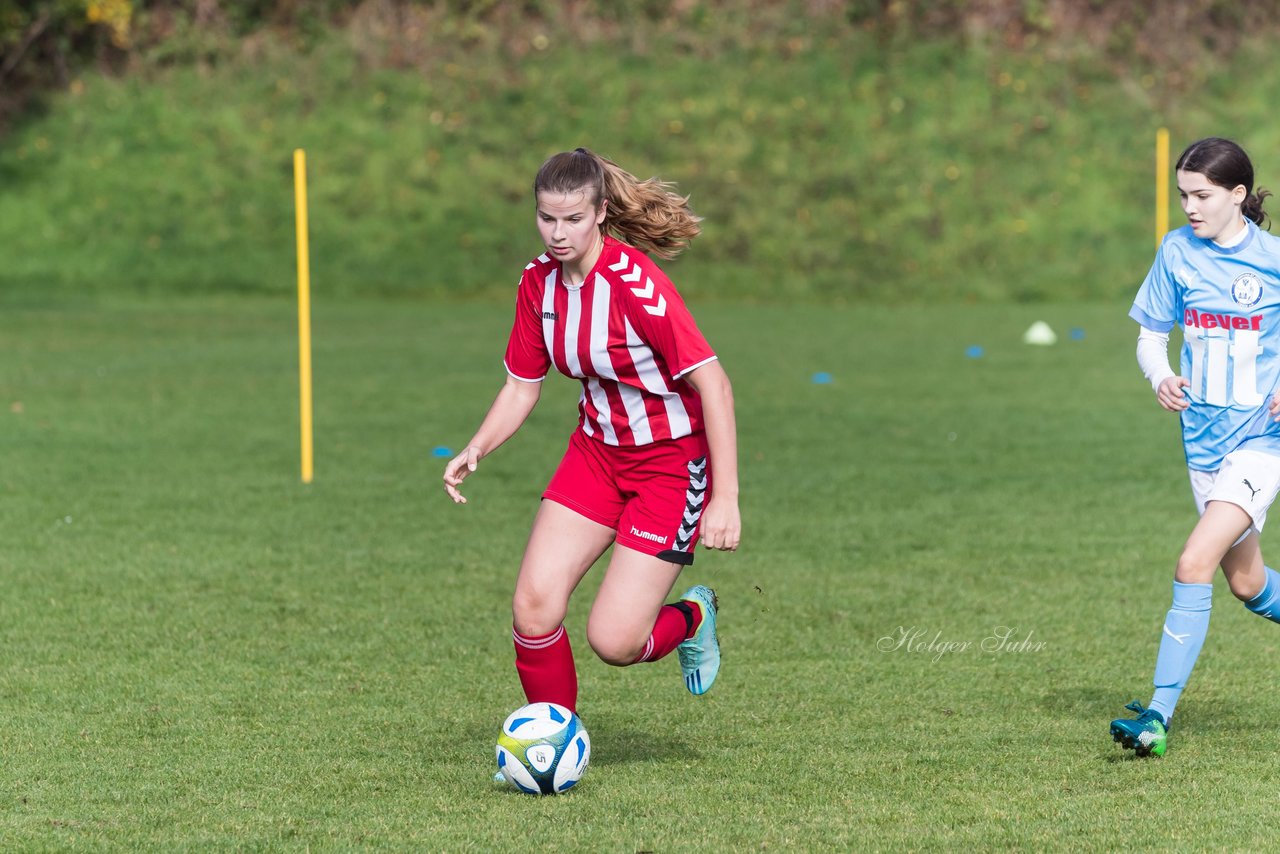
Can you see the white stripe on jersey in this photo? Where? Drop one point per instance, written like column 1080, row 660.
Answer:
column 549, row 313
column 574, row 312
column 1215, row 389
column 632, row 399
column 601, row 400
column 1245, row 355
column 647, row 369
column 598, row 353
column 633, row 402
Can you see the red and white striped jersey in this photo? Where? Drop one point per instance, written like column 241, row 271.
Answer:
column 625, row 332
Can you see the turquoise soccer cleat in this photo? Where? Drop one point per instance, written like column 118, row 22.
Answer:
column 700, row 654
column 1145, row 735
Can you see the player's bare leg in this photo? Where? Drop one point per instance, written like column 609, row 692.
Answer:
column 1244, row 569
column 629, row 622
column 562, row 547
column 633, row 592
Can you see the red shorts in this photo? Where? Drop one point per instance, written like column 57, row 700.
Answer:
column 652, row 495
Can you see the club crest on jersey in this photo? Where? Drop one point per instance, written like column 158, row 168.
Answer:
column 1246, row 290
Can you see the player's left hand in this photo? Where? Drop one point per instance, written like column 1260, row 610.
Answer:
column 1274, row 409
column 721, row 524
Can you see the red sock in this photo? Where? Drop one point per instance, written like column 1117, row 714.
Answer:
column 675, row 623
column 545, row 665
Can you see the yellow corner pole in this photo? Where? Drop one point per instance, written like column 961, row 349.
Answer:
column 1162, row 184
column 304, row 309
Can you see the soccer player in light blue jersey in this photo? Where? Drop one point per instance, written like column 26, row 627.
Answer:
column 1218, row 277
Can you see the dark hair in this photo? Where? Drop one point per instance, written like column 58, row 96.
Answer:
column 1226, row 164
column 647, row 214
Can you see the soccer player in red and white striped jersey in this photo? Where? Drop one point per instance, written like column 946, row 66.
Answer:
column 652, row 467
column 625, row 332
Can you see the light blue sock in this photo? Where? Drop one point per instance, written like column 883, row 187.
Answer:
column 1267, row 603
column 1184, row 629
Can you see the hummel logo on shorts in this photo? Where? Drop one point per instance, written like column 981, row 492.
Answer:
column 646, row 535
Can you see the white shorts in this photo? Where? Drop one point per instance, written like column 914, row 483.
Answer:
column 1247, row 479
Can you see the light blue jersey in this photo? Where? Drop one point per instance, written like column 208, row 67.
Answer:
column 1227, row 301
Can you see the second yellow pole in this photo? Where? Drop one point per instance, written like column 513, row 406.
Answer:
column 1162, row 184
column 304, row 311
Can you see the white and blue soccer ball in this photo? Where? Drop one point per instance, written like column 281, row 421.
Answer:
column 543, row 749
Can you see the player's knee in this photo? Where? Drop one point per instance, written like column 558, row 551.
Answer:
column 1243, row 588
column 534, row 614
column 613, row 647
column 1196, row 566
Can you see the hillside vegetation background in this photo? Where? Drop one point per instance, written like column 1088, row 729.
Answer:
column 839, row 151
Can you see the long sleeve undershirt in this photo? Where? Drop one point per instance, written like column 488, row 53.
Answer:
column 1153, row 356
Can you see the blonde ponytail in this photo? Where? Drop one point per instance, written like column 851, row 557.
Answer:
column 649, row 215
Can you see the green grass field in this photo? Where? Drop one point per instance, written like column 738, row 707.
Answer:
column 198, row 651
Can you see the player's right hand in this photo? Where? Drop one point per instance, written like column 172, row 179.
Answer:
column 1170, row 395
column 458, row 469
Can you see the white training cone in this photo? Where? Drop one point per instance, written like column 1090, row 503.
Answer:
column 1039, row 333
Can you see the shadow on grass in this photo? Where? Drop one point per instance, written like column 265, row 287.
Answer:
column 610, row 746
column 1127, row 757
column 1084, row 700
